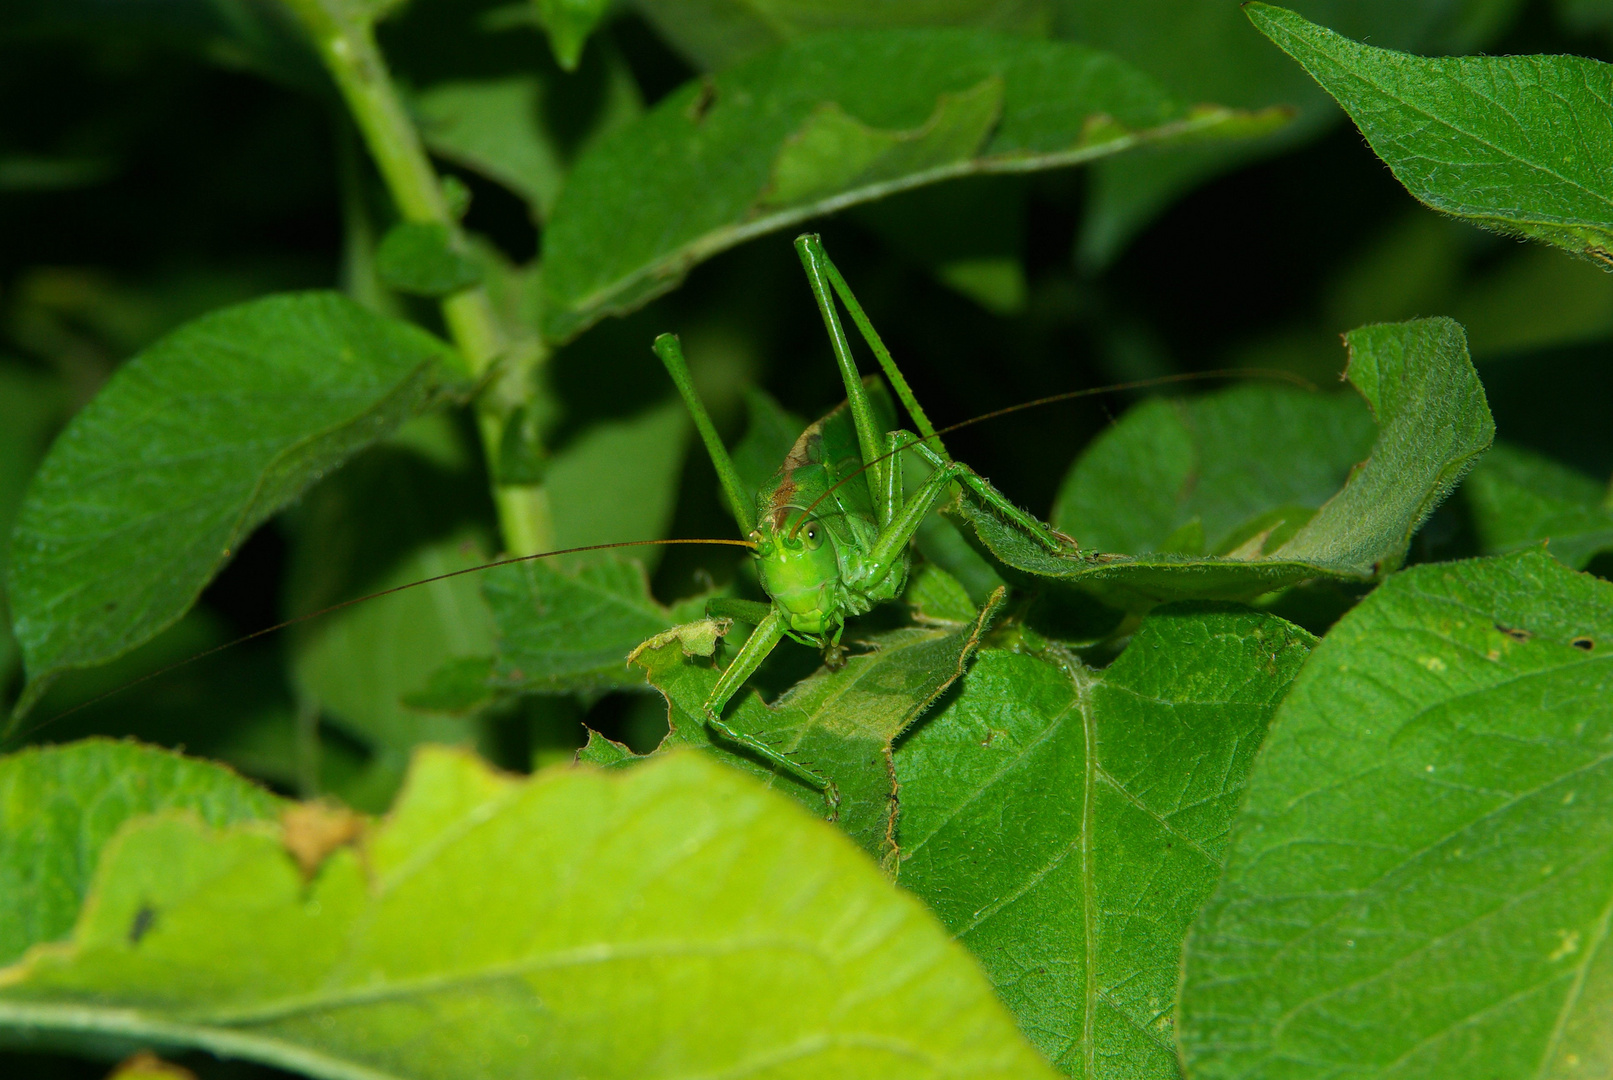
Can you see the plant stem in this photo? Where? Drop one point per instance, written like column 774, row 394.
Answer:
column 345, row 37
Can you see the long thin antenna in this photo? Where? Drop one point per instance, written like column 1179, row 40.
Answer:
column 205, row 653
column 1069, row 395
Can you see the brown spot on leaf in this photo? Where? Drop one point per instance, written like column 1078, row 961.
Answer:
column 148, row 1066
column 705, row 97
column 1584, row 644
column 141, row 924
column 313, row 830
column 1514, row 632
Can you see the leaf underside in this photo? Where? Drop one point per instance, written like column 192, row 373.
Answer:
column 1433, row 422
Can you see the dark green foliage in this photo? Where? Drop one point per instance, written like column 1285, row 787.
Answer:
column 1066, row 823
column 1429, row 822
column 1433, row 422
column 830, row 122
column 192, row 445
column 1274, row 760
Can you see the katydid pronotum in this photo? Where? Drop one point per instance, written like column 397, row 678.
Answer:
column 832, row 531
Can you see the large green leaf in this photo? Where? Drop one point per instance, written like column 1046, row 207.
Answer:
column 30, row 407
column 1202, row 475
column 822, row 124
column 1520, row 498
column 1203, row 50
column 524, row 131
column 1433, row 423
column 59, row 805
column 618, row 480
column 1066, row 823
column 1420, row 880
column 841, row 723
column 1513, row 143
column 720, row 33
column 188, row 448
column 673, row 920
column 399, row 513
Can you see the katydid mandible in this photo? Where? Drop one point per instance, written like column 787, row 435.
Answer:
column 832, row 531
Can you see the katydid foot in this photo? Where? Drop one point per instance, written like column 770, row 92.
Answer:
column 831, row 792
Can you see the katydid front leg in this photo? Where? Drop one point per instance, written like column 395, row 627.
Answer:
column 768, row 633
column 892, row 543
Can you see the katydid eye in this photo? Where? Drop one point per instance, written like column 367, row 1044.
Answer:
column 813, row 538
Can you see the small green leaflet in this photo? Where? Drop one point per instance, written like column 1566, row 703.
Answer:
column 1184, row 475
column 1520, row 498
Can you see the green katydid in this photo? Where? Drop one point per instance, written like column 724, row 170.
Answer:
column 832, row 531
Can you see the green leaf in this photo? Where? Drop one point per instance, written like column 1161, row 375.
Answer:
column 1202, row 50
column 981, row 251
column 568, row 24
column 524, row 131
column 825, row 123
column 1433, row 423
column 565, row 628
column 1584, row 16
column 566, row 625
column 60, row 804
column 618, row 480
column 391, row 517
column 1066, row 823
column 237, row 34
column 670, row 920
column 1515, row 143
column 1211, row 465
column 1538, row 298
column 186, row 450
column 840, row 723
column 717, row 34
column 423, row 259
column 30, row 408
column 1419, row 882
column 1520, row 498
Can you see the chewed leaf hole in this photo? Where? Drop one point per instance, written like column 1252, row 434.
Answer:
column 1584, row 644
column 1513, row 632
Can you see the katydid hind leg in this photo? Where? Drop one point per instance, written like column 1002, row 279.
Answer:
column 894, row 538
column 955, row 470
column 812, row 253
column 862, row 412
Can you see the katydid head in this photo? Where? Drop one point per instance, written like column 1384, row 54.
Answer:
column 800, row 570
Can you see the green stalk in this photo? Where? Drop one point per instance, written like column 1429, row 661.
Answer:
column 344, row 35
